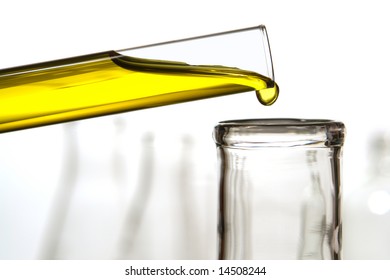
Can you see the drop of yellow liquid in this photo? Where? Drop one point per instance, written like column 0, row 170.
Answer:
column 268, row 96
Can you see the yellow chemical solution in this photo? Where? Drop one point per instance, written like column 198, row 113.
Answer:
column 106, row 83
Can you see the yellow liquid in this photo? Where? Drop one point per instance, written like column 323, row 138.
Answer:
column 107, row 83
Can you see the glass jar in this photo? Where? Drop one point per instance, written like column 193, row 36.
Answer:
column 280, row 188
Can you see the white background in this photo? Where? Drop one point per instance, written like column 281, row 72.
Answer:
column 330, row 58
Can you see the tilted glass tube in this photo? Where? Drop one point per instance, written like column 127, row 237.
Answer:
column 137, row 78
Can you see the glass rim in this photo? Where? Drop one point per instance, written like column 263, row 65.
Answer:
column 279, row 122
column 279, row 132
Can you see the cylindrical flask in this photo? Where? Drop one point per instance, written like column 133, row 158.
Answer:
column 280, row 188
column 137, row 78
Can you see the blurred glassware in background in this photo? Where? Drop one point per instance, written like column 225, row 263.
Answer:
column 134, row 200
column 367, row 208
column 280, row 188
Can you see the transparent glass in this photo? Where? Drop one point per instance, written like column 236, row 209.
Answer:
column 137, row 78
column 280, row 188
